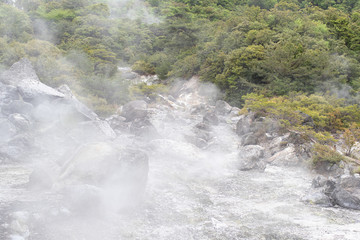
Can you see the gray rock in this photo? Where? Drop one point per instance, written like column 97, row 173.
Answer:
column 250, row 139
column 249, row 157
column 203, row 126
column 197, row 141
column 23, row 76
column 7, row 130
column 243, row 126
column 20, row 121
column 317, row 197
column 143, row 128
column 91, row 164
column 211, row 119
column 329, row 169
column 8, row 94
column 319, row 181
column 286, row 157
column 134, row 110
column 200, row 109
column 105, row 129
column 118, row 123
column 78, row 106
column 90, row 131
column 18, row 106
column 120, row 173
column 345, row 199
column 222, row 107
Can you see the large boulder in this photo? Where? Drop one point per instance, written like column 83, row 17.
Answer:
column 222, row 108
column 244, row 125
column 286, row 157
column 211, row 118
column 250, row 157
column 104, row 175
column 22, row 122
column 8, row 94
column 317, row 197
column 134, row 110
column 23, row 76
column 17, row 106
column 143, row 128
column 77, row 106
column 347, row 193
column 100, row 163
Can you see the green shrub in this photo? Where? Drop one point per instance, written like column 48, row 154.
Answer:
column 143, row 90
column 324, row 153
column 143, row 68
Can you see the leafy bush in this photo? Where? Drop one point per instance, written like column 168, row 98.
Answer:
column 323, row 153
column 143, row 68
column 142, row 90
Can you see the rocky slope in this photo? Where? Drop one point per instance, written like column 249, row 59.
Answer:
column 184, row 167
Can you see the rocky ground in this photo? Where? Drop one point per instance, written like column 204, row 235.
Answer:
column 182, row 167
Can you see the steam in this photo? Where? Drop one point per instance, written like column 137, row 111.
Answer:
column 133, row 10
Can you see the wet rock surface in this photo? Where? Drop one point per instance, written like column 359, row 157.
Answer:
column 187, row 167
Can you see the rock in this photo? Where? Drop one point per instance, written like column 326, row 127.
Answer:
column 286, row 157
column 104, row 173
column 345, row 199
column 8, row 94
column 7, row 130
column 143, row 128
column 319, row 181
column 91, row 164
column 222, row 107
column 134, row 110
column 118, row 123
column 78, row 106
column 100, row 164
column 243, row 126
column 23, row 76
column 197, row 141
column 203, row 126
column 18, row 106
column 105, row 129
column 203, row 134
column 20, row 121
column 329, row 169
column 211, row 119
column 317, row 197
column 90, row 131
column 17, row 148
column 250, row 156
column 235, row 111
column 199, row 109
column 250, row 139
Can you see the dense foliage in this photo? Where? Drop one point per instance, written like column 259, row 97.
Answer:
column 272, row 47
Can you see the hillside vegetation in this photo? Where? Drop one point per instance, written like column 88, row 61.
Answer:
column 270, row 48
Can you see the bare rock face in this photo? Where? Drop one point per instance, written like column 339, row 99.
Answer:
column 222, row 107
column 250, row 157
column 23, row 76
column 135, row 110
column 347, row 193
